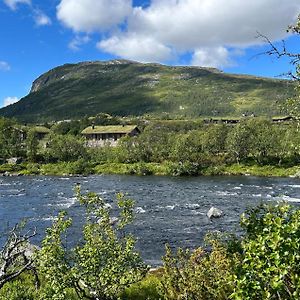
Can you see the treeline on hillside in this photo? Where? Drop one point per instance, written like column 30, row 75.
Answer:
column 187, row 146
column 104, row 265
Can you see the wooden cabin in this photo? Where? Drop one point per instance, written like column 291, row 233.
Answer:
column 98, row 136
column 41, row 132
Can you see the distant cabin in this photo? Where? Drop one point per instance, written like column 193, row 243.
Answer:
column 98, row 136
column 41, row 132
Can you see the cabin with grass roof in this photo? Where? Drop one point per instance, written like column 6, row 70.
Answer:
column 40, row 132
column 99, row 136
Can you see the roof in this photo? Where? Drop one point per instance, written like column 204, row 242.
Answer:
column 36, row 129
column 109, row 129
column 41, row 129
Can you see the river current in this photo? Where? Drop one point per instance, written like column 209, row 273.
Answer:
column 168, row 209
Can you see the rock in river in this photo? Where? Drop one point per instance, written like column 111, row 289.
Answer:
column 214, row 213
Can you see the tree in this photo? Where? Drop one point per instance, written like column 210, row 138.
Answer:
column 264, row 141
column 105, row 261
column 65, row 148
column 270, row 264
column 198, row 274
column 32, row 145
column 239, row 141
column 10, row 139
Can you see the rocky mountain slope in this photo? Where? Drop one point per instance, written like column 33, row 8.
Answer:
column 123, row 88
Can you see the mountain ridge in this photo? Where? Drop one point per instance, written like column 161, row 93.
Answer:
column 124, row 87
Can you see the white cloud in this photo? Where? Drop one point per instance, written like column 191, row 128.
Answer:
column 143, row 49
column 211, row 57
column 93, row 15
column 41, row 19
column 78, row 41
column 12, row 4
column 10, row 100
column 209, row 29
column 4, row 66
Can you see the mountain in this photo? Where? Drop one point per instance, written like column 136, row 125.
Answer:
column 121, row 87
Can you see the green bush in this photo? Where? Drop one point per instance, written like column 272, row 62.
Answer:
column 147, row 289
column 270, row 266
column 198, row 274
column 103, row 265
column 183, row 169
column 22, row 288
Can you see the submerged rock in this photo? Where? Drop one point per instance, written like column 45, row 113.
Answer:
column 214, row 213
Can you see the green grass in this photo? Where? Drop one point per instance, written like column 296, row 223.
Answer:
column 144, row 169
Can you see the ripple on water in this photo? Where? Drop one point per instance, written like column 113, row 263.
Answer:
column 165, row 206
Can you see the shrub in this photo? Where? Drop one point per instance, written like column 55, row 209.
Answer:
column 102, row 265
column 198, row 275
column 270, row 265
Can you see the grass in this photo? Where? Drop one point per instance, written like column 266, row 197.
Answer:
column 144, row 169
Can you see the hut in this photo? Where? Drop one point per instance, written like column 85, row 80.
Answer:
column 98, row 136
column 40, row 131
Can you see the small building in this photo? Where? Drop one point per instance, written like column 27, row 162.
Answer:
column 40, row 131
column 98, row 136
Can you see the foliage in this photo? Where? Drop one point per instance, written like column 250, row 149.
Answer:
column 147, row 289
column 198, row 274
column 22, row 288
column 102, row 265
column 31, row 145
column 10, row 139
column 53, row 263
column 239, row 140
column 270, row 265
column 65, row 148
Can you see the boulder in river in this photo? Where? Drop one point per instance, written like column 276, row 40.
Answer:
column 214, row 212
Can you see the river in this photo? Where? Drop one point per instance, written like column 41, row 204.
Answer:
column 168, row 209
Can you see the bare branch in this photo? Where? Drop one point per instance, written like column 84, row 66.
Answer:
column 13, row 258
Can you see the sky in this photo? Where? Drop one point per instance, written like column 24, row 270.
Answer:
column 38, row 35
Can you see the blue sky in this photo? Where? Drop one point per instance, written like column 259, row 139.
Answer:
column 37, row 35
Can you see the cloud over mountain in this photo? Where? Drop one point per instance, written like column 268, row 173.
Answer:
column 10, row 100
column 166, row 29
column 93, row 15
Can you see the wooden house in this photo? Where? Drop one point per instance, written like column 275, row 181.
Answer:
column 41, row 131
column 98, row 136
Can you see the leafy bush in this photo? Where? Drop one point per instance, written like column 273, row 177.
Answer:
column 270, row 266
column 199, row 274
column 148, row 289
column 19, row 289
column 102, row 265
column 184, row 169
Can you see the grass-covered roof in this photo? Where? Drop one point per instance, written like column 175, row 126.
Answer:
column 41, row 129
column 109, row 129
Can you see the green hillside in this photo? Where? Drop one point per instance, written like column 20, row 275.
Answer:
column 125, row 88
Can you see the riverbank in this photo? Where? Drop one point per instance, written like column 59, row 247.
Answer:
column 143, row 169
